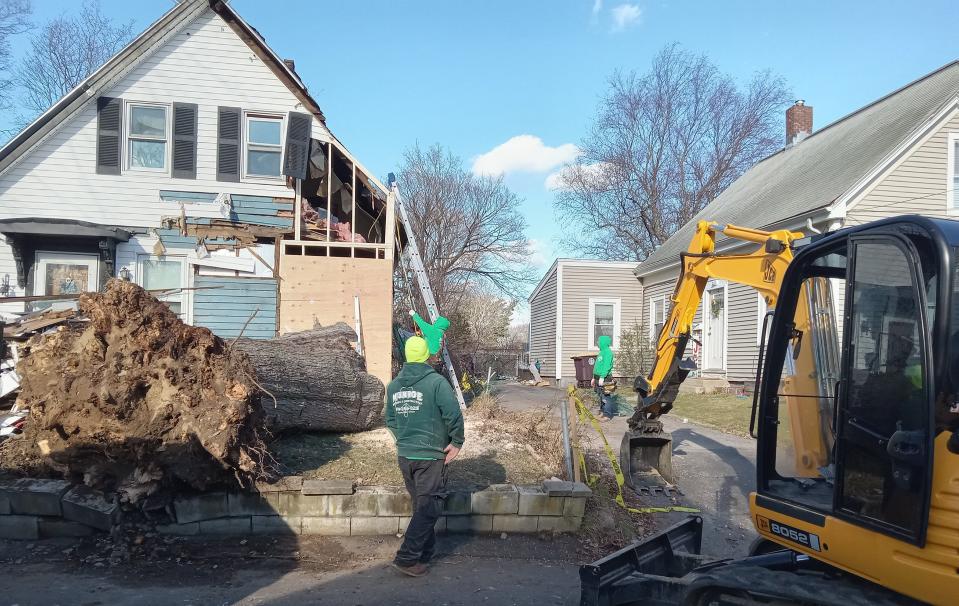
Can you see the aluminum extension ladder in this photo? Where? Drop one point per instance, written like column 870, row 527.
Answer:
column 412, row 254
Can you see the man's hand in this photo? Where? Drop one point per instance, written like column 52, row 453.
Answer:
column 451, row 452
column 412, row 312
column 601, row 381
column 592, row 382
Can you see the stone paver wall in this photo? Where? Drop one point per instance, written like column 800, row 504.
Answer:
column 32, row 509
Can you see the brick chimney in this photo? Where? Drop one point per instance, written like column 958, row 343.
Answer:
column 798, row 122
column 290, row 64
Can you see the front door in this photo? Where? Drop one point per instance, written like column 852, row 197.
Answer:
column 60, row 273
column 715, row 324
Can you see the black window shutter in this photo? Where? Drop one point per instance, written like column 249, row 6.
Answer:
column 109, row 116
column 184, row 140
column 297, row 152
column 228, row 144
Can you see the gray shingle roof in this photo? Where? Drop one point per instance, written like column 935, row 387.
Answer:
column 814, row 173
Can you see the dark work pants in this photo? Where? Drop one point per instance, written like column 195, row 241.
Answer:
column 426, row 483
column 607, row 405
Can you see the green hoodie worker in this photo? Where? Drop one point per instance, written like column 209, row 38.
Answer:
column 433, row 333
column 602, row 371
column 424, row 416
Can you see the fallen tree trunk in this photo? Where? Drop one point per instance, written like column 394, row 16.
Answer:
column 319, row 381
column 135, row 399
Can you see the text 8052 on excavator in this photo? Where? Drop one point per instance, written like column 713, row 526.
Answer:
column 856, row 414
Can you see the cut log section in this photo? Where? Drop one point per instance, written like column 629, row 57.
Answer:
column 319, row 381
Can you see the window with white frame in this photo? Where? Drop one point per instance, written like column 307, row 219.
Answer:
column 952, row 173
column 657, row 317
column 264, row 148
column 147, row 137
column 166, row 273
column 604, row 317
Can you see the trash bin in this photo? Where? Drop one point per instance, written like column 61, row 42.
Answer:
column 584, row 369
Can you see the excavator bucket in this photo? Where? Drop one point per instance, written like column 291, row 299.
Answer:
column 646, row 458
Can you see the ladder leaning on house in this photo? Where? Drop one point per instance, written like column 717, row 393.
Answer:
column 412, row 255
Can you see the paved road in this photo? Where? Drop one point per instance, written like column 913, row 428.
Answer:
column 715, row 471
column 469, row 571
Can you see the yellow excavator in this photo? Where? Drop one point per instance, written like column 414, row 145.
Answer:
column 856, row 416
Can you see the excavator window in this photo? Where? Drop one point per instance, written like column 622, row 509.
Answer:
column 884, row 420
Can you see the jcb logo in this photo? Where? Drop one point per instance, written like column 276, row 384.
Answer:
column 769, row 271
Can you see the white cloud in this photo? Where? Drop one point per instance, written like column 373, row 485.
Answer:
column 626, row 15
column 523, row 153
column 540, row 253
column 597, row 6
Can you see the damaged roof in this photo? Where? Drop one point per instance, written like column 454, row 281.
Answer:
column 819, row 170
column 151, row 39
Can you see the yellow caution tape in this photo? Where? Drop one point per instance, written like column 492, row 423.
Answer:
column 585, row 415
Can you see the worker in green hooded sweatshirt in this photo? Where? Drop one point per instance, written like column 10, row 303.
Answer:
column 602, row 372
column 433, row 333
column 424, row 417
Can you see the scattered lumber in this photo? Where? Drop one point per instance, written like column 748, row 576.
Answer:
column 318, row 379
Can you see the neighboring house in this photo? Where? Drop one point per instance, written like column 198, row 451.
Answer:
column 898, row 155
column 577, row 301
column 172, row 166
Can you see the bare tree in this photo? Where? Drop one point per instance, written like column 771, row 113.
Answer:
column 469, row 228
column 662, row 146
column 65, row 51
column 14, row 20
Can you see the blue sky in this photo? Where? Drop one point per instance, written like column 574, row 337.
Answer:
column 474, row 75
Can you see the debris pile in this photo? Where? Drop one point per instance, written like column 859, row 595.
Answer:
column 133, row 399
column 319, row 381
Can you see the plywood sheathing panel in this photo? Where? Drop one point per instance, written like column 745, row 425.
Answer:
column 321, row 289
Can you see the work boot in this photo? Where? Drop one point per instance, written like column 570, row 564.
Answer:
column 416, row 570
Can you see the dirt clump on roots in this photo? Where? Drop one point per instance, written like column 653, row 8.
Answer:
column 133, row 400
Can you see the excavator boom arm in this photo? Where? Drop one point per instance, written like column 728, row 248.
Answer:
column 762, row 269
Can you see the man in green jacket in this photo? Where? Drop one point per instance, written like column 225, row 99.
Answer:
column 424, row 417
column 602, row 372
column 433, row 333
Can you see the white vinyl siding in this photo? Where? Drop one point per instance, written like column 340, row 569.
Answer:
column 206, row 64
column 919, row 183
column 542, row 327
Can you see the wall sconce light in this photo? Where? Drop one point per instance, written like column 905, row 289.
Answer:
column 125, row 274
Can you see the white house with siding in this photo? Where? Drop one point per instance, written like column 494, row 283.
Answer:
column 576, row 302
column 181, row 164
column 898, row 155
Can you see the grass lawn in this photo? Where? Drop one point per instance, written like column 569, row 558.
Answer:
column 723, row 412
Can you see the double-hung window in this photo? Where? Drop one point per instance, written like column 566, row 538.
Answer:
column 147, row 137
column 166, row 273
column 603, row 321
column 657, row 317
column 264, row 149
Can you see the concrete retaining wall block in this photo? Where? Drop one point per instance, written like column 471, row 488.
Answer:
column 392, row 501
column 575, row 507
column 226, row 526
column 51, row 528
column 497, row 499
column 327, row 487
column 533, row 501
column 35, row 496
column 365, row 526
column 559, row 524
column 511, row 523
column 24, row 528
column 281, row 485
column 298, row 504
column 240, row 504
column 474, row 523
column 331, row 527
column 458, row 503
column 87, row 506
column 280, row 525
column 364, row 504
column 206, row 506
column 183, row 530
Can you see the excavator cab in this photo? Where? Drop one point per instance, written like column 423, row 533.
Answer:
column 856, row 415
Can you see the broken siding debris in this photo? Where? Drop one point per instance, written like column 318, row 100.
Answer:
column 231, row 302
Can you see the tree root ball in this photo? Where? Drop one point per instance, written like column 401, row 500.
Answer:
column 133, row 399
